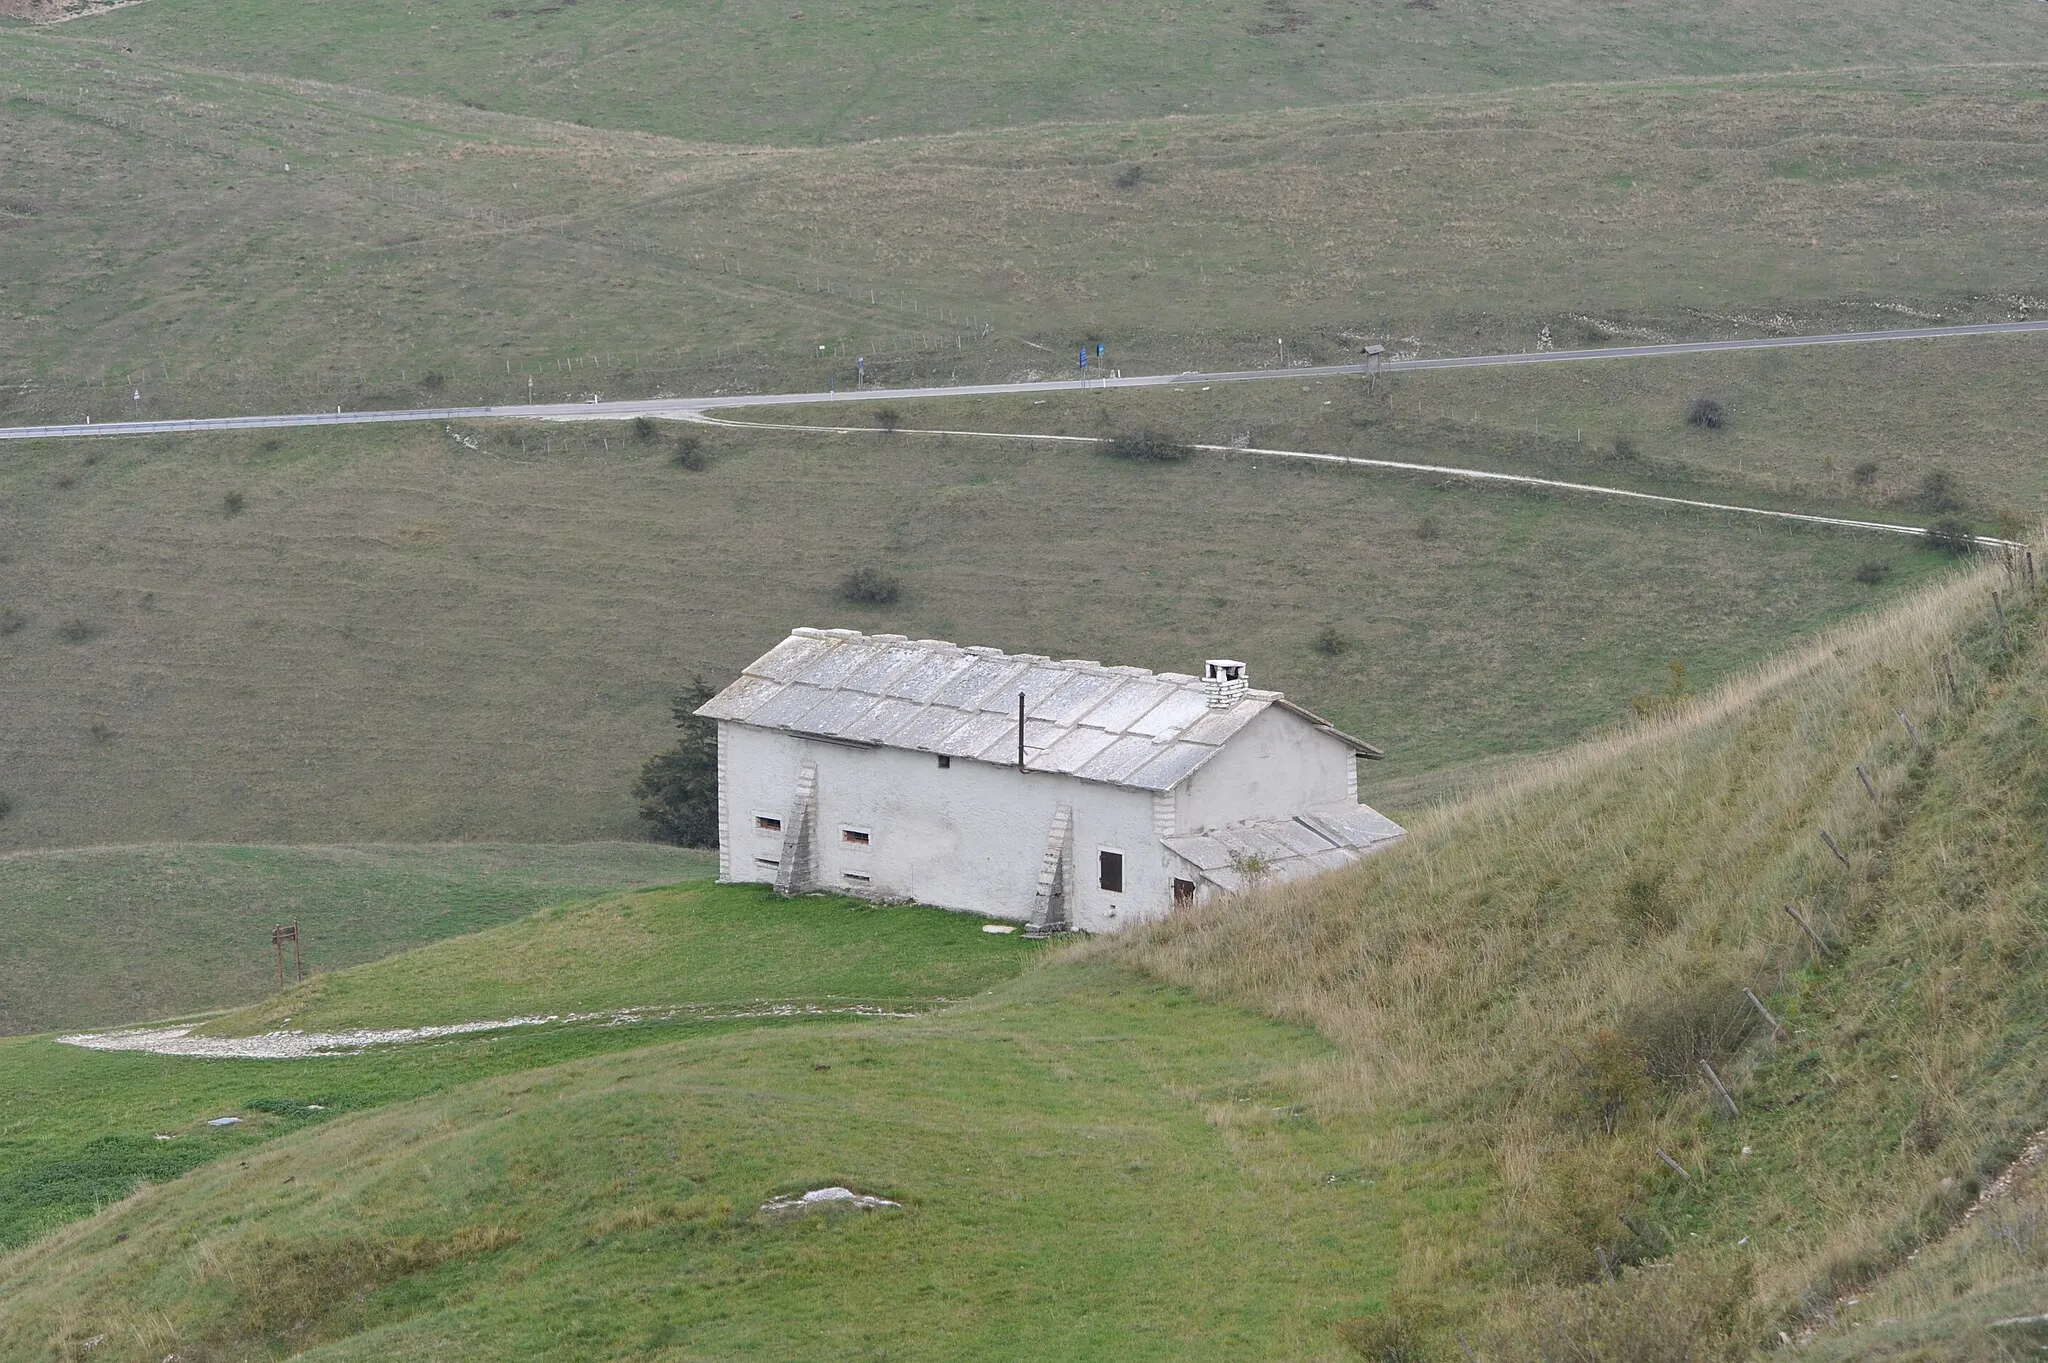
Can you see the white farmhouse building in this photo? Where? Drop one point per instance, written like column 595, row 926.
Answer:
column 1062, row 793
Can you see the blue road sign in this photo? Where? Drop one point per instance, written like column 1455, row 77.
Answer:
column 1084, row 357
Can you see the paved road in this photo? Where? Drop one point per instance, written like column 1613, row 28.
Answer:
column 676, row 407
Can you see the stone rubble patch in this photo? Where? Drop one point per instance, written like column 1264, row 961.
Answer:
column 826, row 1197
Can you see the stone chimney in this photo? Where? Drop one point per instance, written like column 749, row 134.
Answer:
column 1226, row 682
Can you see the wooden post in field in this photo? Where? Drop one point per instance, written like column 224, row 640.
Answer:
column 1675, row 1166
column 2004, row 634
column 1868, row 789
column 1948, row 667
column 1720, row 1088
column 1911, row 733
column 1840, row 855
column 1758, row 1004
column 2030, row 570
column 1807, row 928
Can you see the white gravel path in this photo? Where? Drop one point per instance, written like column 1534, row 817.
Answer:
column 303, row 1045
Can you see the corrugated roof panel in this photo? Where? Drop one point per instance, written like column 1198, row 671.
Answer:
column 1073, row 750
column 845, row 659
column 788, row 659
column 922, row 682
column 1354, row 827
column 1119, row 759
column 966, row 691
column 1174, row 763
column 741, row 699
column 1101, row 723
column 984, row 733
column 1171, row 715
column 878, row 674
column 837, row 713
column 1126, row 704
column 787, row 710
column 1083, row 691
column 883, row 719
column 1216, row 726
column 1201, row 849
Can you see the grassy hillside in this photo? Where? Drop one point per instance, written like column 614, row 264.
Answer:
column 666, row 948
column 1854, row 431
column 80, row 1127
column 501, row 256
column 1535, row 977
column 849, row 70
column 100, row 935
column 402, row 636
column 1088, row 1167
column 1513, row 1005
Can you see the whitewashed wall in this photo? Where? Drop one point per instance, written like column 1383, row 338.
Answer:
column 970, row 836
column 1274, row 768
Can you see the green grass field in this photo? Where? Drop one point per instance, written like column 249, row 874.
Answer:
column 100, row 935
column 854, row 70
column 403, row 637
column 420, row 252
column 1511, row 1008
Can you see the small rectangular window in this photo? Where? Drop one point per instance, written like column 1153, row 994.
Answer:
column 1113, row 872
column 856, row 878
column 1183, row 891
column 944, row 761
column 767, row 863
column 857, row 836
column 767, row 824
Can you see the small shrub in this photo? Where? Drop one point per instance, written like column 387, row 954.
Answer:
column 1939, row 492
column 888, row 418
column 1643, row 905
column 12, row 622
column 1382, row 1339
column 1610, row 1081
column 644, row 428
column 271, row 445
column 1864, row 474
column 1708, row 1020
column 2010, row 524
column 1706, row 413
column 1687, row 1313
column 65, row 481
column 1128, row 177
column 870, row 587
column 1950, row 536
column 233, row 504
column 1625, row 451
column 100, row 733
column 1592, row 333
column 689, row 453
column 435, row 381
column 6, row 804
column 79, row 631
column 1676, row 692
column 1146, row 447
column 1329, row 642
column 1429, row 528
column 1871, row 572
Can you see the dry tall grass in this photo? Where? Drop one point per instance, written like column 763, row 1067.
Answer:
column 1540, row 969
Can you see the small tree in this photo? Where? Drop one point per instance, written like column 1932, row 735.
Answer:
column 690, row 454
column 678, row 789
column 869, row 587
column 1951, row 536
column 1146, row 447
column 1940, row 493
column 1706, row 413
column 888, row 418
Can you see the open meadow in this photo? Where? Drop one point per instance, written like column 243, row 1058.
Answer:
column 473, row 634
column 99, row 935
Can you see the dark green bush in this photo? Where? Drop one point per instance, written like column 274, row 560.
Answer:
column 1329, row 642
column 644, row 428
column 1865, row 473
column 888, row 418
column 678, row 789
column 1709, row 1021
column 1146, row 447
column 79, row 631
column 1128, row 177
column 1625, row 451
column 870, row 587
column 689, row 453
column 233, row 504
column 11, row 622
column 1939, row 492
column 1871, row 572
column 1706, row 413
column 1951, row 536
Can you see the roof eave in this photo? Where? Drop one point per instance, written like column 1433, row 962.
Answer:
column 1358, row 745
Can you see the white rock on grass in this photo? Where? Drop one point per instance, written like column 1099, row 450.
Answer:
column 826, row 1197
